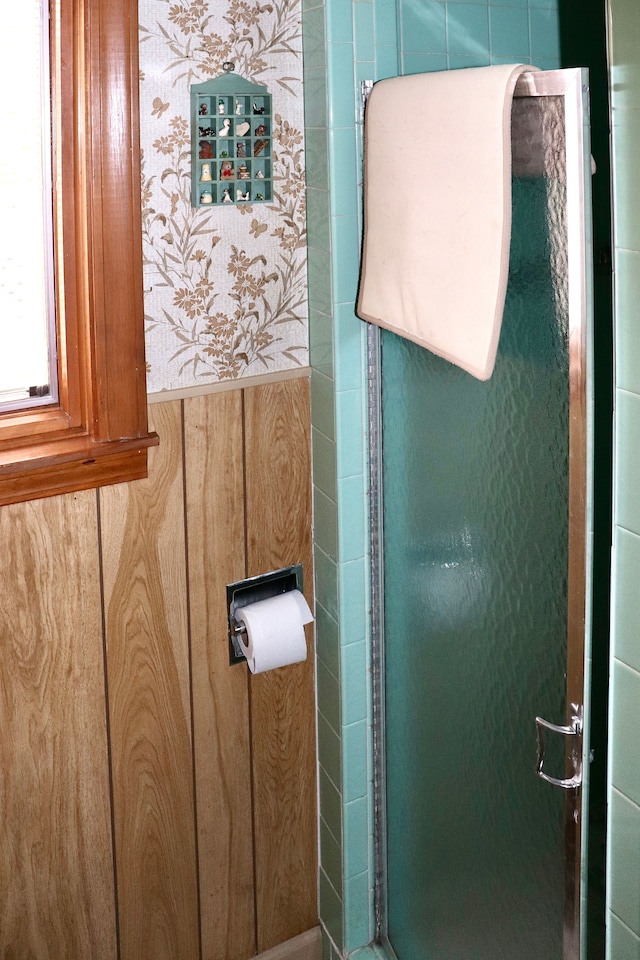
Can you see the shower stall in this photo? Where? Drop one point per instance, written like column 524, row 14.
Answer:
column 481, row 549
column 456, row 574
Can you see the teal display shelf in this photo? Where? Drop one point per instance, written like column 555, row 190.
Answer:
column 231, row 141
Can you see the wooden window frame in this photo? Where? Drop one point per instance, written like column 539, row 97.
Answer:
column 97, row 432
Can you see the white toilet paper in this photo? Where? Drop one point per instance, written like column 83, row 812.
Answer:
column 275, row 631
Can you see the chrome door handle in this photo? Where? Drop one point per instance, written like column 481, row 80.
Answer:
column 573, row 729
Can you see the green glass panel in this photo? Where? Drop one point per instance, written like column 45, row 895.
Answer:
column 475, row 565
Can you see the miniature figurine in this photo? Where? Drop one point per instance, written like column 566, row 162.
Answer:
column 226, row 170
column 243, row 173
column 224, row 155
column 207, row 131
column 260, row 130
column 239, row 107
column 259, row 146
column 242, row 196
column 259, row 196
column 258, row 111
column 221, row 107
column 226, row 195
column 203, row 109
column 259, row 175
column 242, row 128
column 206, row 198
column 225, row 129
column 241, row 150
column 205, row 173
column 206, row 150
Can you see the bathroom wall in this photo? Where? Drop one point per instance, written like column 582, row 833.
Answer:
column 156, row 803
column 225, row 288
column 345, row 42
column 624, row 797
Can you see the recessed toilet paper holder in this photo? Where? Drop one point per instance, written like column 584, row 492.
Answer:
column 243, row 592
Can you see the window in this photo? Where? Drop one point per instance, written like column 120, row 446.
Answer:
column 96, row 432
column 27, row 303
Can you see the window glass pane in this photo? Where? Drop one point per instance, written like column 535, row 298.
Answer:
column 26, row 261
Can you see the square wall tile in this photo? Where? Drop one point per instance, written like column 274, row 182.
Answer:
column 351, row 518
column 364, row 31
column 345, row 172
column 326, row 581
column 327, row 639
column 325, row 523
column 331, row 858
column 316, row 109
column 423, row 28
column 354, row 681
column 313, row 37
column 509, row 32
column 339, row 21
column 321, row 342
column 624, row 944
column 625, row 743
column 345, row 244
column 350, row 446
column 627, row 492
column 353, row 601
column 627, row 287
column 329, row 696
column 350, row 338
column 357, row 911
column 387, row 64
column 342, row 102
column 626, row 161
column 356, row 838
column 331, row 805
column 385, row 14
column 545, row 35
column 624, row 857
column 324, row 463
column 468, row 29
column 329, row 751
column 316, row 145
column 626, row 598
column 318, row 209
column 355, row 761
column 323, row 411
column 331, row 910
column 319, row 277
column 625, row 53
column 423, row 62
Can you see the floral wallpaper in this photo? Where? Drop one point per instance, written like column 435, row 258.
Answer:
column 225, row 287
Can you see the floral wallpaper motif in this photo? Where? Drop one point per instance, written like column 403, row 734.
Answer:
column 225, row 288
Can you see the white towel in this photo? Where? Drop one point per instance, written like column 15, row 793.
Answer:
column 437, row 216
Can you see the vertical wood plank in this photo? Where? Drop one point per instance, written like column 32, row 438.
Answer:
column 145, row 591
column 56, row 868
column 215, row 525
column 278, row 485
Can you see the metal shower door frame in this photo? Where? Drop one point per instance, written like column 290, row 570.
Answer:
column 573, row 86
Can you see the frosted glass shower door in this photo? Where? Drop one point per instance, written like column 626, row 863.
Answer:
column 484, row 490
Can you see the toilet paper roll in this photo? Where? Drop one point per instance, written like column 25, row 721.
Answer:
column 275, row 631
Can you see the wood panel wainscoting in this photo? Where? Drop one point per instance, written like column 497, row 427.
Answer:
column 156, row 803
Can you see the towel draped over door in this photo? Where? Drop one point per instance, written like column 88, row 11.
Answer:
column 437, row 210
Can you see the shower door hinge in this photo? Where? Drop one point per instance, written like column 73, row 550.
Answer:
column 366, row 86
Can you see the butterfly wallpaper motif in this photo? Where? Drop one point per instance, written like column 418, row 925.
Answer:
column 225, row 288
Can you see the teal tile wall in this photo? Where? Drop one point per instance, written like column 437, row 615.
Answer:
column 623, row 880
column 346, row 41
